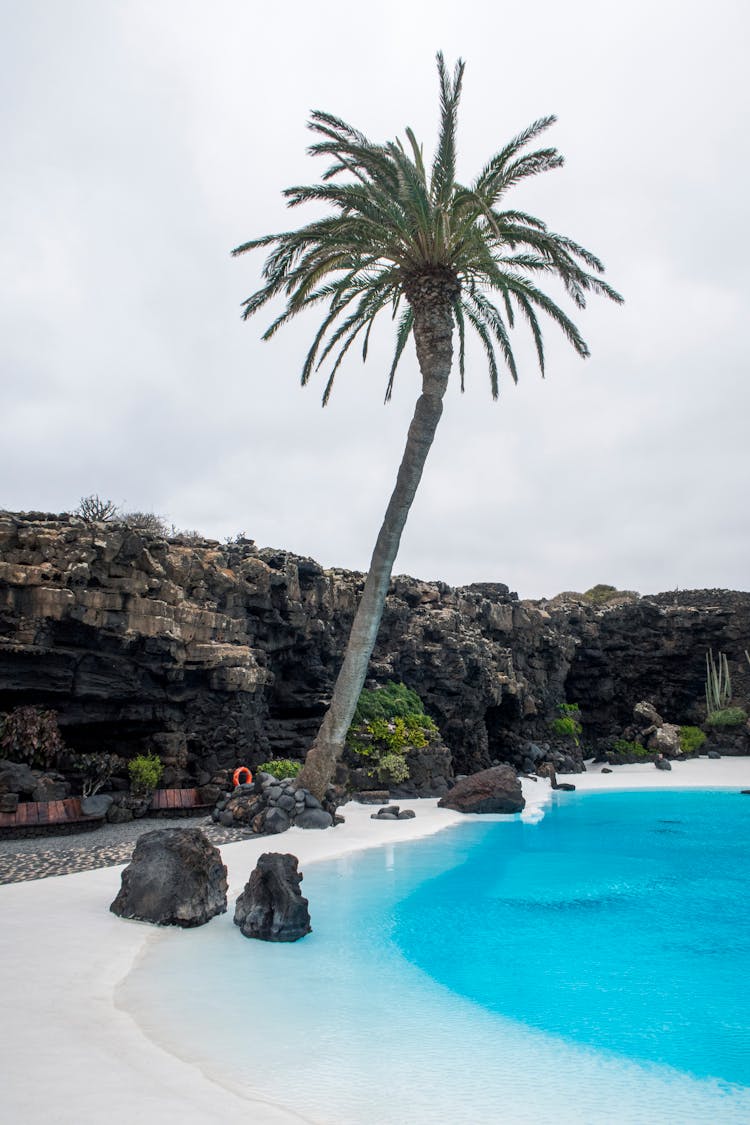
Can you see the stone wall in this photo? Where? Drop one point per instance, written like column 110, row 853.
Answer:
column 215, row 655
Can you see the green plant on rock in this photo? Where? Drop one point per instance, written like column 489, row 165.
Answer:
column 568, row 724
column 691, row 739
column 31, row 735
column 395, row 700
column 280, row 768
column 630, row 749
column 145, row 773
column 392, row 767
column 718, row 683
column 727, row 718
column 388, row 723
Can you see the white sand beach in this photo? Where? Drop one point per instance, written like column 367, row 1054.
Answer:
column 69, row 1054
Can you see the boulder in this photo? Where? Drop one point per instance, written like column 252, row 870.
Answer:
column 662, row 763
column 314, row 818
column 175, row 878
column 51, row 787
column 15, row 777
column 546, row 769
column 666, row 739
column 496, row 790
column 271, row 907
column 646, row 715
column 275, row 821
column 98, row 805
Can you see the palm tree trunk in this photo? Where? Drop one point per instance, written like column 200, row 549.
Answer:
column 433, row 329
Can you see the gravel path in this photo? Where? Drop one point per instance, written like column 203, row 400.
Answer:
column 42, row 856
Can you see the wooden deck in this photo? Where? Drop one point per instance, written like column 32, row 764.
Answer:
column 177, row 802
column 34, row 817
column 42, row 818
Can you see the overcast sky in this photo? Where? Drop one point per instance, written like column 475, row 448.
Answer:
column 142, row 139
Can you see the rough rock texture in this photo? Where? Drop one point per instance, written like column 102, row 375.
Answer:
column 271, row 906
column 269, row 806
column 175, row 878
column 430, row 772
column 497, row 790
column 214, row 655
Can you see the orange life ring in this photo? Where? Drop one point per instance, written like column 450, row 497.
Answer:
column 236, row 776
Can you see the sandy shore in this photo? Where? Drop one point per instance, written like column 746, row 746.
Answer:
column 69, row 1054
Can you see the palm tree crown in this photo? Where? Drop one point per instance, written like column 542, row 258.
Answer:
column 399, row 234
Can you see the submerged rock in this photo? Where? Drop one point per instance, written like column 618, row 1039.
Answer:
column 271, row 907
column 496, row 790
column 175, row 878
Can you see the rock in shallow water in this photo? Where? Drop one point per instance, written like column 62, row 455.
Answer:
column 271, row 907
column 175, row 878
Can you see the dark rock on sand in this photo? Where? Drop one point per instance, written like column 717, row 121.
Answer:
column 662, row 764
column 175, row 878
column 313, row 818
column 496, row 790
column 98, row 805
column 271, row 907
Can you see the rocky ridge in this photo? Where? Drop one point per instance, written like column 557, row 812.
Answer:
column 213, row 654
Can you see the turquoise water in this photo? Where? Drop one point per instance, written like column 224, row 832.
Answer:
column 588, row 968
column 621, row 921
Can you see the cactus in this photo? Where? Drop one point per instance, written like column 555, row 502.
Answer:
column 718, row 683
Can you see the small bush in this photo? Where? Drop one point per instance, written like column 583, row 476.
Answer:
column 392, row 767
column 388, row 723
column 389, row 702
column 634, row 749
column 146, row 521
column 691, row 739
column 728, row 717
column 568, row 725
column 31, row 735
column 602, row 593
column 280, row 768
column 95, row 509
column 95, row 770
column 145, row 772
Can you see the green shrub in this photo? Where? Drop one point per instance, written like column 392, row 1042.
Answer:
column 388, row 723
column 728, row 717
column 392, row 767
column 634, row 749
column 31, row 735
column 145, row 772
column 389, row 702
column 568, row 725
column 691, row 739
column 280, row 768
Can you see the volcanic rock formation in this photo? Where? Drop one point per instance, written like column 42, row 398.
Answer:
column 214, row 655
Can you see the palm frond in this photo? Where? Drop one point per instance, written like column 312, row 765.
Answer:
column 391, row 230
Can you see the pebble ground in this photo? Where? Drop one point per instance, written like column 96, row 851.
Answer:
column 43, row 856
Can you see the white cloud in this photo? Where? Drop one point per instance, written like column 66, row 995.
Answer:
column 142, row 142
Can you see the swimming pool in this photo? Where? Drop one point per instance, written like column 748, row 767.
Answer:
column 586, row 968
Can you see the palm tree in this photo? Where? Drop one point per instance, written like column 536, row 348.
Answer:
column 438, row 255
